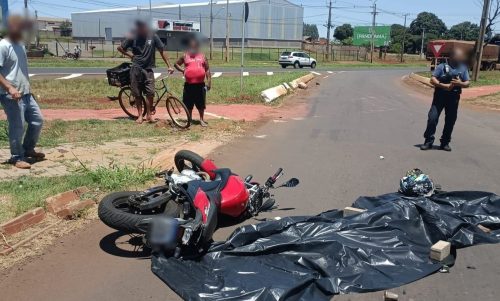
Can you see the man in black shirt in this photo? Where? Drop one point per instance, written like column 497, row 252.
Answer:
column 141, row 49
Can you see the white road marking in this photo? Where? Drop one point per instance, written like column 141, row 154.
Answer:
column 326, row 76
column 260, row 136
column 316, row 73
column 217, row 74
column 157, row 75
column 246, row 74
column 279, row 121
column 74, row 75
column 330, row 72
column 298, row 118
column 270, row 73
column 216, row 116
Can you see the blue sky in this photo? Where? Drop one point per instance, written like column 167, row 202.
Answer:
column 356, row 12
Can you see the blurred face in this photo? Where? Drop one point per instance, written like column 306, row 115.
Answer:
column 459, row 56
column 16, row 27
column 194, row 47
column 142, row 29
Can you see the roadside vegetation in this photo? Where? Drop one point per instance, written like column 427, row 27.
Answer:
column 488, row 101
column 486, row 78
column 21, row 195
column 93, row 131
column 92, row 93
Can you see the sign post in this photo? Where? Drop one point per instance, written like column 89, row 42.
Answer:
column 244, row 19
column 437, row 48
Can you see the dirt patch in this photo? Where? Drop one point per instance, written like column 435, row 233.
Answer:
column 38, row 245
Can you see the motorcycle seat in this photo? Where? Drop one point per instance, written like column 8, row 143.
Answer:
column 213, row 188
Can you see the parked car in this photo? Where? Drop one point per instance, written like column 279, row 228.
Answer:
column 297, row 59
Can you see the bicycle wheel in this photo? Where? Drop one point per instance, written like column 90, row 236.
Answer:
column 128, row 103
column 178, row 112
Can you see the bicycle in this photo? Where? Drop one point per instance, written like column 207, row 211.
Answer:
column 176, row 109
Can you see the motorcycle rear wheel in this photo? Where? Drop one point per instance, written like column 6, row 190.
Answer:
column 185, row 159
column 116, row 213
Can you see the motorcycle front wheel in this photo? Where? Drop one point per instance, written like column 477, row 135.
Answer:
column 116, row 212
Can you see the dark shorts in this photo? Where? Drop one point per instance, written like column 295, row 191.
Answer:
column 142, row 82
column 194, row 95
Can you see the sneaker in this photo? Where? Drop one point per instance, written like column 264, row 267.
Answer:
column 203, row 123
column 35, row 155
column 445, row 147
column 22, row 165
column 426, row 146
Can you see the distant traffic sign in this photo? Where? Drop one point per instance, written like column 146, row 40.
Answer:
column 363, row 36
column 437, row 48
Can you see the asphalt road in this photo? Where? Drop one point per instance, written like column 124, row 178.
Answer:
column 354, row 118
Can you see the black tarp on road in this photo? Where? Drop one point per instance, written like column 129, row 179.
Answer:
column 316, row 257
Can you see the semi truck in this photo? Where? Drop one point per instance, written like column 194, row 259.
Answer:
column 491, row 53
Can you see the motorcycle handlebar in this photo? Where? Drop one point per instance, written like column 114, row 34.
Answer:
column 277, row 174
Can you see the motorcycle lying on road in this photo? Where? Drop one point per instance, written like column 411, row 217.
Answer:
column 182, row 215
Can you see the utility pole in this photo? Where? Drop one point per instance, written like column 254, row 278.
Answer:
column 478, row 55
column 329, row 27
column 150, row 13
column 226, row 57
column 422, row 55
column 404, row 41
column 37, row 32
column 373, row 30
column 211, row 28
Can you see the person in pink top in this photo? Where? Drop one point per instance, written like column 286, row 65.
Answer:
column 195, row 71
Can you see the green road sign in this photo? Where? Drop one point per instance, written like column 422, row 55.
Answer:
column 363, row 36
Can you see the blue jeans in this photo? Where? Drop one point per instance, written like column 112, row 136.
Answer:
column 26, row 110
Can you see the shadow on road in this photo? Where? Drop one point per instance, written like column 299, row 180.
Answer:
column 125, row 245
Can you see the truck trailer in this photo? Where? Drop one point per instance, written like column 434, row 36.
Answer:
column 444, row 48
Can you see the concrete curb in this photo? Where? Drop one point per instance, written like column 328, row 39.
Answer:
column 421, row 79
column 66, row 205
column 273, row 93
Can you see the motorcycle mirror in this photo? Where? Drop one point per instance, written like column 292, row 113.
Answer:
column 290, row 183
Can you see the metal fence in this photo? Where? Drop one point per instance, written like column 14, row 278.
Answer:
column 107, row 49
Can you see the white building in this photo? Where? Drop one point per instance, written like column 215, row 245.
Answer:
column 271, row 23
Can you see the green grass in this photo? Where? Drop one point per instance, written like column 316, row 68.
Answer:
column 486, row 78
column 92, row 93
column 93, row 131
column 29, row 192
column 256, row 62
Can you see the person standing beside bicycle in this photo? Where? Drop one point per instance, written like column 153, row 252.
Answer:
column 195, row 70
column 141, row 49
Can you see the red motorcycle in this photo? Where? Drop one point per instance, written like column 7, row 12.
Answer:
column 183, row 213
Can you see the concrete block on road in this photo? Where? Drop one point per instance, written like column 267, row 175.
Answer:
column 440, row 250
column 273, row 93
column 23, row 221
column 303, row 86
column 348, row 211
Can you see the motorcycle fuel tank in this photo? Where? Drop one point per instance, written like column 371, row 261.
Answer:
column 234, row 197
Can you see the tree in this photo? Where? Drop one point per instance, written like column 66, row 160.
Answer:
column 343, row 32
column 311, row 30
column 398, row 32
column 464, row 31
column 65, row 28
column 493, row 18
column 430, row 22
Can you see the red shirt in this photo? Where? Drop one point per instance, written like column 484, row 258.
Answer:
column 195, row 68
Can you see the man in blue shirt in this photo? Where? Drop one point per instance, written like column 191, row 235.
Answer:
column 448, row 80
column 15, row 96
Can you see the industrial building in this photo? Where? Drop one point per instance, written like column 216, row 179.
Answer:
column 271, row 23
